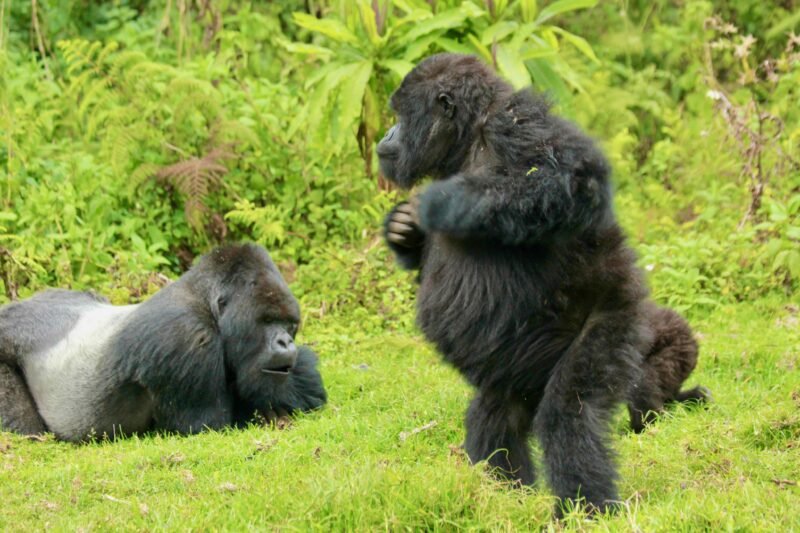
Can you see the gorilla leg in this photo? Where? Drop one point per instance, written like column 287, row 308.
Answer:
column 498, row 431
column 646, row 401
column 573, row 418
column 17, row 410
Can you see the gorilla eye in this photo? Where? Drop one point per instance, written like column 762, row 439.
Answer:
column 447, row 104
column 221, row 303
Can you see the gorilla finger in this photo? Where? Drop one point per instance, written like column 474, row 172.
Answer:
column 396, row 238
column 403, row 218
column 414, row 209
column 400, row 228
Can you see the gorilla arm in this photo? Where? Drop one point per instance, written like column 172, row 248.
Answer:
column 528, row 182
column 179, row 360
column 526, row 208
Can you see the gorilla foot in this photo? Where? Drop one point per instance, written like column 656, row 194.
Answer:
column 592, row 510
column 698, row 394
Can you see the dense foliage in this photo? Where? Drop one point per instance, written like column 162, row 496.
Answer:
column 136, row 134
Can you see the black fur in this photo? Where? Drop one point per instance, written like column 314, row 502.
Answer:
column 668, row 362
column 209, row 350
column 526, row 283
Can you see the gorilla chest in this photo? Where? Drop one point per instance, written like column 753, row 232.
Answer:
column 489, row 299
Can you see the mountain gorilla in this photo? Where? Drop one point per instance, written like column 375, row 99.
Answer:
column 526, row 284
column 209, row 350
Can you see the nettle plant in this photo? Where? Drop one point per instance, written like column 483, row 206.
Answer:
column 366, row 47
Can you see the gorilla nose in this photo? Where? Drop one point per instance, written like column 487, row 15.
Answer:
column 283, row 355
column 387, row 148
column 390, row 133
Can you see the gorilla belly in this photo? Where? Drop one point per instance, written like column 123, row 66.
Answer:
column 485, row 310
column 74, row 398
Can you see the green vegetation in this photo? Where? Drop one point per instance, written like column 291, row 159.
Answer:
column 136, row 134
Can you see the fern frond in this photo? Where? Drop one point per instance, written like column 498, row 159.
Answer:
column 194, row 178
column 143, row 172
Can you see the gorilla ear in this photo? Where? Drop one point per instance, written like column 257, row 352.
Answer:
column 218, row 303
column 446, row 101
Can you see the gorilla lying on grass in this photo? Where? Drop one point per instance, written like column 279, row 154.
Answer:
column 212, row 349
column 526, row 283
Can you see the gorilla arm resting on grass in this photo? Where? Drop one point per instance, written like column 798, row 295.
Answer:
column 526, row 284
column 207, row 351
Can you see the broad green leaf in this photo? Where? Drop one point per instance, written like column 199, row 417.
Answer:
column 306, row 49
column 777, row 212
column 563, row 6
column 351, row 94
column 443, row 21
column 528, row 10
column 546, row 79
column 578, row 42
column 398, row 66
column 451, row 45
column 512, row 67
column 368, row 20
column 331, row 27
column 567, row 73
column 480, row 49
column 311, row 113
column 472, row 11
column 549, row 37
column 408, row 6
column 497, row 32
column 418, row 48
column 536, row 50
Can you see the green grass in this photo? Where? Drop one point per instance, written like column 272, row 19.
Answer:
column 733, row 466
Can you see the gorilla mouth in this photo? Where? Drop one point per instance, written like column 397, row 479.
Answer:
column 278, row 370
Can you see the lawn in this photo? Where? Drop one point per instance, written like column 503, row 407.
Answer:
column 384, row 454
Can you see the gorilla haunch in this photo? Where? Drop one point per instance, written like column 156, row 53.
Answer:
column 209, row 350
column 526, row 284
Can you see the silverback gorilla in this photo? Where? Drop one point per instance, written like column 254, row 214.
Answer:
column 526, row 284
column 211, row 349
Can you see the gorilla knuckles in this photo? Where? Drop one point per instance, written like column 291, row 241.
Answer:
column 526, row 284
column 209, row 350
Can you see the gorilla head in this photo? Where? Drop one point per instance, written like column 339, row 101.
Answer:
column 258, row 318
column 439, row 107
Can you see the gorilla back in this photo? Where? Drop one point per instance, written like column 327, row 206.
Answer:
column 211, row 349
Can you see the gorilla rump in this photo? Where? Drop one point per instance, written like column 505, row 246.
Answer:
column 209, row 350
column 526, row 284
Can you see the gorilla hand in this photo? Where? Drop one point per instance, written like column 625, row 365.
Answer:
column 402, row 227
column 404, row 235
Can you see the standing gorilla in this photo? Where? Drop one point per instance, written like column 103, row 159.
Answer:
column 211, row 349
column 526, row 284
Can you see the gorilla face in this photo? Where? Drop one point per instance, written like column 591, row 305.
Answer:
column 435, row 127
column 258, row 319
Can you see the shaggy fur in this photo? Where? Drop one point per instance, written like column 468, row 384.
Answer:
column 668, row 362
column 209, row 350
column 526, row 283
